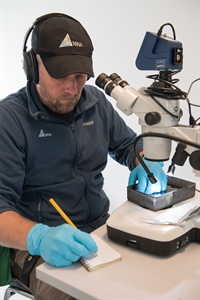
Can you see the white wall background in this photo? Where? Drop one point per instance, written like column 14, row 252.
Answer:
column 117, row 29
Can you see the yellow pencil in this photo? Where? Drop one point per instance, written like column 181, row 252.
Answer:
column 61, row 212
column 65, row 217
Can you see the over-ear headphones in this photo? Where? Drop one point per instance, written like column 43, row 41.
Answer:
column 30, row 65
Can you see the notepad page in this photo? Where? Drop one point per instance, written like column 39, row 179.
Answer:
column 105, row 255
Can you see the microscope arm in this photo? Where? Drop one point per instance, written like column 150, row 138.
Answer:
column 160, row 117
column 159, row 120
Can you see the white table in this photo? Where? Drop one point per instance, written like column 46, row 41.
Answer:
column 137, row 276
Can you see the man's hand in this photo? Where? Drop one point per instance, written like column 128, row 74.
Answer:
column 61, row 245
column 144, row 184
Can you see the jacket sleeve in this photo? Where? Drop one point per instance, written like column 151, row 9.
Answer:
column 121, row 137
column 122, row 142
column 12, row 167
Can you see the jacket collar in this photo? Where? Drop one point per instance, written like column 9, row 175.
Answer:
column 38, row 111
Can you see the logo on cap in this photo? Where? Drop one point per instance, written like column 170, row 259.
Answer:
column 67, row 42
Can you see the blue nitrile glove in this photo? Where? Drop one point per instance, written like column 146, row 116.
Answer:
column 144, row 184
column 61, row 245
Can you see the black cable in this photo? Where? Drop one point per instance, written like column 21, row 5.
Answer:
column 192, row 120
column 193, row 104
column 161, row 28
column 168, row 90
column 170, row 113
column 196, row 121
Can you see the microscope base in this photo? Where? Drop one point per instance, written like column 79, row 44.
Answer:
column 128, row 225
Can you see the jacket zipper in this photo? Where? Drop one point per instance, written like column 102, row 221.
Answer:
column 83, row 177
column 39, row 210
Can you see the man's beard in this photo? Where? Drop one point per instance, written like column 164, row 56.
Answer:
column 63, row 104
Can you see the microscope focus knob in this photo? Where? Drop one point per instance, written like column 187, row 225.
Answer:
column 195, row 160
column 152, row 118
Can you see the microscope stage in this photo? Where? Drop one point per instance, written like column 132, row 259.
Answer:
column 177, row 191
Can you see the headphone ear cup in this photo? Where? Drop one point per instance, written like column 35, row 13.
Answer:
column 30, row 66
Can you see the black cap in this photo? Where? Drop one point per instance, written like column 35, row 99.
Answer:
column 64, row 46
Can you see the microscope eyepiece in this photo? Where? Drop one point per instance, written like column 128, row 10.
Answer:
column 101, row 80
column 106, row 83
column 121, row 82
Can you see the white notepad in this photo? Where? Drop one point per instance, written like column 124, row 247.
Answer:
column 105, row 255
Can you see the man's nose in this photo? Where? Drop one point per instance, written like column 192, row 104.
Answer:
column 71, row 86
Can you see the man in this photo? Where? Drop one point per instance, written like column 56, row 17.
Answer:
column 55, row 137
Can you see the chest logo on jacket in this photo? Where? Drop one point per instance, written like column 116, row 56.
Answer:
column 42, row 134
column 89, row 123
